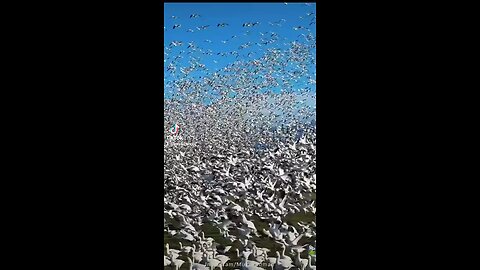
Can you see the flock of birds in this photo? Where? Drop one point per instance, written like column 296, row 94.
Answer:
column 240, row 184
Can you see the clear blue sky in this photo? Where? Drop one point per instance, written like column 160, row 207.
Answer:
column 235, row 14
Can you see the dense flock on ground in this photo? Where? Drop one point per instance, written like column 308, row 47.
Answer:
column 240, row 163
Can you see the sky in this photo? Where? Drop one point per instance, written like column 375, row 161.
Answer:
column 284, row 19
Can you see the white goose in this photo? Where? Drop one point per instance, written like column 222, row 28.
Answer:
column 275, row 231
column 166, row 261
column 298, row 249
column 271, row 261
column 222, row 258
column 196, row 266
column 224, row 249
column 186, row 249
column 177, row 263
column 299, row 262
column 209, row 251
column 245, row 255
column 184, row 224
column 310, row 266
column 223, row 227
column 171, row 232
column 186, row 236
column 283, row 257
column 173, row 256
column 245, row 232
column 196, row 256
column 171, row 250
column 209, row 239
column 248, row 265
column 282, row 264
column 267, row 233
column 258, row 257
column 212, row 263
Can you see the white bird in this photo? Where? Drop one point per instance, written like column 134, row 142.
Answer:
column 222, row 258
column 169, row 250
column 294, row 242
column 283, row 257
column 245, row 254
column 310, row 266
column 185, row 235
column 209, row 239
column 258, row 257
column 297, row 248
column 249, row 223
column 275, row 231
column 299, row 262
column 245, row 232
column 249, row 265
column 196, row 266
column 177, row 263
column 171, row 232
column 166, row 261
column 267, row 233
column 271, row 261
column 212, row 263
column 196, row 256
column 224, row 225
column 282, row 263
column 225, row 182
column 186, row 249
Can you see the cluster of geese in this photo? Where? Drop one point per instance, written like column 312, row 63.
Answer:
column 239, row 178
column 210, row 258
column 234, row 189
column 193, row 54
column 226, row 191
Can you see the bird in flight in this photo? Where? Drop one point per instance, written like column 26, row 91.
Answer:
column 203, row 27
column 250, row 24
column 176, row 43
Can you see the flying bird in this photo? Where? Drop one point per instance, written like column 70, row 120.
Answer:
column 203, row 27
column 250, row 24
